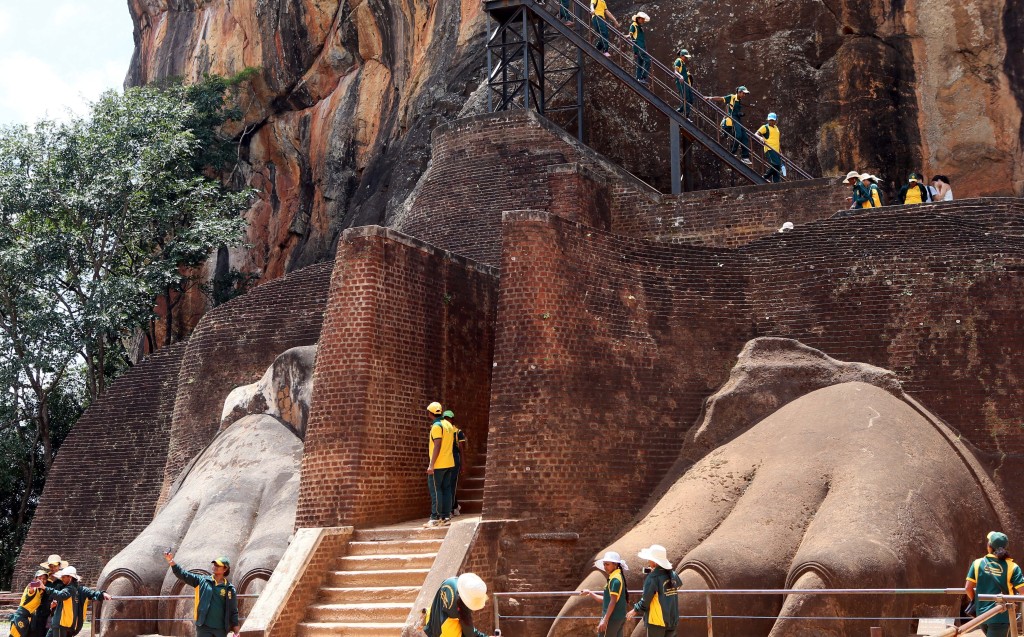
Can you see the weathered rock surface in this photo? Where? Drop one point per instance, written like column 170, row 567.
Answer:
column 337, row 123
column 237, row 499
column 829, row 491
column 284, row 392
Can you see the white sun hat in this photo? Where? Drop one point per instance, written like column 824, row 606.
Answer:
column 472, row 591
column 656, row 553
column 610, row 556
column 69, row 570
column 641, row 14
column 851, row 175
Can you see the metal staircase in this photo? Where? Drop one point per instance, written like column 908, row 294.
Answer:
column 535, row 61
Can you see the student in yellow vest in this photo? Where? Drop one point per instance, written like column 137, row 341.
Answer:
column 615, row 599
column 441, row 469
column 684, row 82
column 451, row 612
column 732, row 125
column 874, row 192
column 53, row 564
column 658, row 605
column 770, row 136
column 215, row 607
column 994, row 574
column 641, row 58
column 31, row 599
column 599, row 11
column 70, row 604
column 913, row 192
column 458, row 449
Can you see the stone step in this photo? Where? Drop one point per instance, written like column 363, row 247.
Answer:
column 394, row 547
column 358, row 579
column 403, row 533
column 329, row 595
column 349, row 629
column 385, row 562
column 471, row 482
column 381, row 612
column 470, row 506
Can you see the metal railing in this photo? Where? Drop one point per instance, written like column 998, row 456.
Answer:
column 1003, row 604
column 704, row 114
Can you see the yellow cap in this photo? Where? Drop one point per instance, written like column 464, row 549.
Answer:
column 435, row 408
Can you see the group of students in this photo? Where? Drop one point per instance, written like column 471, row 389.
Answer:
column 867, row 194
column 731, row 125
column 54, row 603
column 658, row 605
column 445, row 446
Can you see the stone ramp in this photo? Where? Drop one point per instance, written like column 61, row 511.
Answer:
column 371, row 590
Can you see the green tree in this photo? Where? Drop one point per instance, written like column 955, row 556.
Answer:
column 99, row 216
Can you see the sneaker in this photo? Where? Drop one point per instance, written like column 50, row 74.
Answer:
column 607, row 54
column 445, row 522
column 457, row 511
column 746, row 160
column 432, row 523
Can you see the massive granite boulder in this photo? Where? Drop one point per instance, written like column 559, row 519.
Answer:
column 337, row 122
column 846, row 484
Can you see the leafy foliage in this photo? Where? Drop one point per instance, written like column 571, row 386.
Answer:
column 99, row 216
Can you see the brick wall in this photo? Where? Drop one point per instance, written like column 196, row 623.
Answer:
column 516, row 160
column 233, row 345
column 103, row 485
column 605, row 351
column 406, row 324
column 932, row 293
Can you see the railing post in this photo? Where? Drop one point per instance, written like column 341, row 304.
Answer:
column 497, row 614
column 1011, row 611
column 677, row 177
column 711, row 628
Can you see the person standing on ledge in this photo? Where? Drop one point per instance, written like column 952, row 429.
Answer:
column 216, row 604
column 451, row 612
column 640, row 56
column 31, row 599
column 770, row 136
column 441, row 469
column 457, row 451
column 70, row 603
column 659, row 605
column 913, row 192
column 684, row 82
column 615, row 600
column 732, row 125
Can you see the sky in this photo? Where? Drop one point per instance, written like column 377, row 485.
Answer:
column 58, row 55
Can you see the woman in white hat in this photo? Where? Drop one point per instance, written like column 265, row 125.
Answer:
column 659, row 605
column 70, row 603
column 451, row 612
column 640, row 55
column 615, row 599
column 860, row 198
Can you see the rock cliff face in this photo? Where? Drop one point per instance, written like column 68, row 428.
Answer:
column 337, row 124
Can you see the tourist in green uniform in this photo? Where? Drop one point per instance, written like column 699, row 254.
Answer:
column 599, row 21
column 31, row 599
column 659, row 605
column 861, row 197
column 70, row 604
column 641, row 58
column 994, row 574
column 451, row 612
column 441, row 467
column 732, row 125
column 770, row 136
column 615, row 598
column 52, row 565
column 565, row 12
column 684, row 82
column 457, row 450
column 216, row 603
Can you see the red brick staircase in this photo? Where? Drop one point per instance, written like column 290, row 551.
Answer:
column 371, row 590
column 471, row 490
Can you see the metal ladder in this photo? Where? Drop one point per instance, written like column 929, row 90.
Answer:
column 523, row 34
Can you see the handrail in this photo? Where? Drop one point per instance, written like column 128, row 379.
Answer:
column 621, row 44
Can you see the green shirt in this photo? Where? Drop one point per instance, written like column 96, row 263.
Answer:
column 993, row 576
column 215, row 616
column 614, row 593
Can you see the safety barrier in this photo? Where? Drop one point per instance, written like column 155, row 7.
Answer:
column 1004, row 604
column 702, row 123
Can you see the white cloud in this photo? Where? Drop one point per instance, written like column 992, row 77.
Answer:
column 31, row 88
column 67, row 13
column 5, row 22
